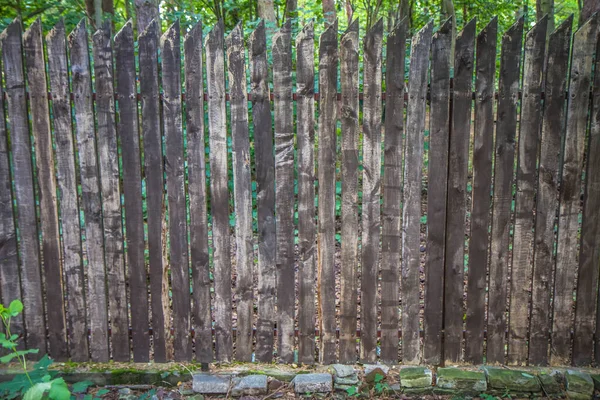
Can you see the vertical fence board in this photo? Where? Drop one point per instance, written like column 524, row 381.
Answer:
column 439, row 134
column 529, row 133
column 242, row 175
column 508, row 88
column 67, row 185
column 170, row 50
column 90, row 188
column 128, row 131
column 33, row 48
column 155, row 206
column 194, row 114
column 349, row 68
column 284, row 190
column 108, row 162
column 219, row 201
column 326, row 156
column 457, row 193
column 584, row 44
column 411, row 212
column 555, row 88
column 305, row 106
column 481, row 198
column 371, row 192
column 146, row 12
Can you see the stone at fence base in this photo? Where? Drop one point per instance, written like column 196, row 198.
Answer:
column 552, row 383
column 274, row 384
column 211, row 384
column 313, row 383
column 501, row 380
column 372, row 370
column 251, row 385
column 350, row 380
column 415, row 378
column 342, row 370
column 579, row 385
column 460, row 381
column 596, row 379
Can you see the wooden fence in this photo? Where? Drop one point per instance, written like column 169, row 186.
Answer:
column 146, row 214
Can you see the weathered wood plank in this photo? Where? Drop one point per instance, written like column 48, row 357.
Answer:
column 326, row 156
column 91, row 197
column 146, row 11
column 439, row 133
column 265, row 176
column 58, row 74
column 242, row 175
column 555, row 88
column 508, row 88
column 33, row 48
column 411, row 212
column 305, row 136
column 284, row 190
column 153, row 173
column 26, row 221
column 580, row 80
column 529, row 133
column 220, row 194
column 170, row 50
column 481, row 198
column 194, row 114
column 108, row 162
column 371, row 208
column 349, row 234
column 129, row 134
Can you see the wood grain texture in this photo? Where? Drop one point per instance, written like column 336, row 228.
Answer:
column 411, row 211
column 129, row 135
column 457, row 193
column 580, row 81
column 553, row 121
column 108, row 162
column 242, row 186
column 219, row 200
column 349, row 234
column 284, row 190
column 305, row 133
column 26, row 221
column 482, row 185
column 155, row 202
column 194, row 119
column 529, row 134
column 58, row 74
column 326, row 159
column 439, row 134
column 33, row 48
column 146, row 11
column 371, row 208
column 91, row 202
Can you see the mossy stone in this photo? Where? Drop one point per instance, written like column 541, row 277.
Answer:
column 415, row 377
column 552, row 382
column 578, row 396
column 461, row 380
column 596, row 379
column 510, row 380
column 579, row 382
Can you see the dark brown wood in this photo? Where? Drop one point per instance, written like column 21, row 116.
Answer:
column 580, row 81
column 155, row 205
column 529, row 134
column 58, row 74
column 242, row 175
column 349, row 69
column 91, row 202
column 26, row 220
column 481, row 198
column 129, row 134
column 265, row 189
column 284, row 190
column 506, row 125
column 219, row 200
column 108, row 162
column 411, row 211
column 371, row 206
column 439, row 133
column 305, row 136
column 326, row 159
column 194, row 119
column 553, row 121
column 170, row 50
column 33, row 48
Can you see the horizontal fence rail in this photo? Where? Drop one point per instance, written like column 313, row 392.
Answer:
column 217, row 199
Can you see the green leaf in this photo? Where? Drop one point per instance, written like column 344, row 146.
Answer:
column 59, row 390
column 36, row 392
column 15, row 308
column 7, row 344
column 378, row 378
column 81, row 387
column 102, row 392
column 7, row 358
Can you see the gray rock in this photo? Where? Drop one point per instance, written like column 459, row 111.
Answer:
column 125, row 391
column 416, row 377
column 471, row 382
column 372, row 370
column 349, row 380
column 251, row 385
column 342, row 370
column 579, row 382
column 313, row 383
column 274, row 384
column 211, row 384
